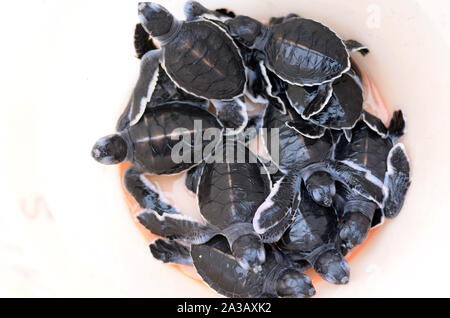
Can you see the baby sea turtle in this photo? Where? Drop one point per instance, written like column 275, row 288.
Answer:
column 279, row 276
column 356, row 213
column 300, row 51
column 149, row 145
column 382, row 162
column 229, row 191
column 301, row 148
column 313, row 236
column 198, row 56
column 164, row 91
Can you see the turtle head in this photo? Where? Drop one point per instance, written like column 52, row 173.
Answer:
column 294, row 284
column 249, row 252
column 332, row 267
column 110, row 150
column 245, row 29
column 321, row 188
column 155, row 19
column 354, row 228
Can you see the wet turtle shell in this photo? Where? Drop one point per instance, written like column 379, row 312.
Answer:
column 151, row 139
column 345, row 105
column 203, row 60
column 305, row 52
column 367, row 150
column 295, row 149
column 230, row 192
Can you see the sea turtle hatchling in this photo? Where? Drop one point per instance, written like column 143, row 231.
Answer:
column 279, row 276
column 313, row 236
column 229, row 192
column 164, row 91
column 148, row 145
column 198, row 56
column 300, row 51
column 380, row 160
column 305, row 153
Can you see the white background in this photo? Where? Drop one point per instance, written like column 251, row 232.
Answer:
column 66, row 72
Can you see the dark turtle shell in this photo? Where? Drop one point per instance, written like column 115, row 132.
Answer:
column 152, row 141
column 295, row 150
column 305, row 52
column 231, row 192
column 218, row 268
column 166, row 91
column 204, row 61
column 367, row 150
column 313, row 226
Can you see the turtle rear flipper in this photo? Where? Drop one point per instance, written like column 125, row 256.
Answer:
column 278, row 204
column 145, row 193
column 355, row 46
column 397, row 126
column 170, row 252
column 232, row 114
column 397, row 181
column 143, row 90
column 177, row 227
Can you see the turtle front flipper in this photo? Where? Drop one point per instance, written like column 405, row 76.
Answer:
column 232, row 114
column 193, row 176
column 142, row 41
column 397, row 181
column 176, row 227
column 308, row 101
column 278, row 204
column 306, row 128
column 345, row 106
column 143, row 90
column 278, row 20
column 355, row 46
column 171, row 252
column 145, row 193
column 275, row 233
column 356, row 178
column 193, row 10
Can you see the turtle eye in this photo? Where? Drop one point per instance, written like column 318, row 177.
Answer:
column 244, row 29
column 155, row 19
column 109, row 150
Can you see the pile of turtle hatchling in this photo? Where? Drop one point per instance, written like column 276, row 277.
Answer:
column 338, row 169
